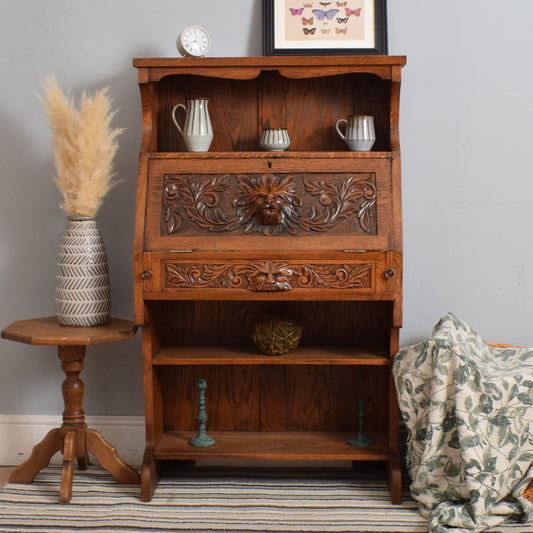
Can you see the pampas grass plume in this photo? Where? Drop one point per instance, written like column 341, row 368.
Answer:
column 84, row 146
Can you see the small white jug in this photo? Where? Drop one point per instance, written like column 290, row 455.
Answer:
column 197, row 132
column 360, row 135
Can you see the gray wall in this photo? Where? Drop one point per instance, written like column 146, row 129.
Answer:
column 466, row 118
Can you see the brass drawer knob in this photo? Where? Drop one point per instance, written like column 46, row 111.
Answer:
column 390, row 273
column 146, row 274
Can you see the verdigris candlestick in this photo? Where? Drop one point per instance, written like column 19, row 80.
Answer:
column 361, row 440
column 202, row 440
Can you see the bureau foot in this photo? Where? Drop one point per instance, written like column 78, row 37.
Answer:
column 395, row 481
column 150, row 475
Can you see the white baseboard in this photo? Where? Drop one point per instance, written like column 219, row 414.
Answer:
column 20, row 433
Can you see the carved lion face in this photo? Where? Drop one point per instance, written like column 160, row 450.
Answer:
column 267, row 204
column 268, row 209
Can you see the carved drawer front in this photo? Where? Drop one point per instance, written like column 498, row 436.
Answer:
column 280, row 210
column 268, row 204
column 268, row 276
column 173, row 276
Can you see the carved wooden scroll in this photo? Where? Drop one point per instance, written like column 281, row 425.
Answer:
column 267, row 276
column 269, row 204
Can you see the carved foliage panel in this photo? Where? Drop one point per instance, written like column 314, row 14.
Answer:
column 269, row 204
column 268, row 276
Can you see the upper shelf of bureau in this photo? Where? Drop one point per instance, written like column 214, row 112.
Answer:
column 248, row 94
column 245, row 68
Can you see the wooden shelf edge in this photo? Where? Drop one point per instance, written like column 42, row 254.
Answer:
column 330, row 154
column 223, row 355
column 145, row 62
column 256, row 445
column 244, row 68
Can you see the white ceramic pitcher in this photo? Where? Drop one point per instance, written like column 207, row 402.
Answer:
column 360, row 135
column 197, row 132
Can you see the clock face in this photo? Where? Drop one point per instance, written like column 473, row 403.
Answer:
column 193, row 41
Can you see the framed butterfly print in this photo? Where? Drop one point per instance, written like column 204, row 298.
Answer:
column 315, row 27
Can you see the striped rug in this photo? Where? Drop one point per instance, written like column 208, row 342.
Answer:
column 212, row 500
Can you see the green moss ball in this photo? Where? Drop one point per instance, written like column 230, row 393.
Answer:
column 275, row 335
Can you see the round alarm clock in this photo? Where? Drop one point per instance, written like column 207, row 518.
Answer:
column 193, row 41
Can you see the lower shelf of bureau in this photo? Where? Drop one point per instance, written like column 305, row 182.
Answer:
column 292, row 446
column 302, row 355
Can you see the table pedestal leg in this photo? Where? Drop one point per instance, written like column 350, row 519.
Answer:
column 67, row 474
column 108, row 458
column 39, row 458
column 74, row 439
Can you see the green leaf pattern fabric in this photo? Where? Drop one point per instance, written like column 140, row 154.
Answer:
column 468, row 408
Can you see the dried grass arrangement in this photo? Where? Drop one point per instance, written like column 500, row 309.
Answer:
column 84, row 147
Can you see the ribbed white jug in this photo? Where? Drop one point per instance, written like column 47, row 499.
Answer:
column 360, row 135
column 197, row 131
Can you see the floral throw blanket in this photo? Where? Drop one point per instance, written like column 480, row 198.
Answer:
column 468, row 408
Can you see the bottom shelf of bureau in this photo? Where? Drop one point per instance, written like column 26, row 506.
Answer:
column 289, row 445
column 266, row 446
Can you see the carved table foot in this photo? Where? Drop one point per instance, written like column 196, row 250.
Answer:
column 39, row 458
column 109, row 459
column 77, row 445
column 67, row 474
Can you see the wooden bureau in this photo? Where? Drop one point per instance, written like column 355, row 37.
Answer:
column 208, row 261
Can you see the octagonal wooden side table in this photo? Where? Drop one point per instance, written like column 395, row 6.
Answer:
column 74, row 439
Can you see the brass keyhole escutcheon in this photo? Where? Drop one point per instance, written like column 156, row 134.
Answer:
column 390, row 273
column 146, row 274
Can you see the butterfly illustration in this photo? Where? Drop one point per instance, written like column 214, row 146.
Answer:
column 341, row 30
column 341, row 4
column 308, row 31
column 320, row 13
column 326, row 31
column 307, row 21
column 325, row 4
column 342, row 20
column 308, row 5
column 295, row 11
column 355, row 12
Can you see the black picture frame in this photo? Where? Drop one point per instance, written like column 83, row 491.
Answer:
column 272, row 15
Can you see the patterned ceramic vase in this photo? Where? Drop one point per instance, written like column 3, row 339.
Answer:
column 82, row 291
